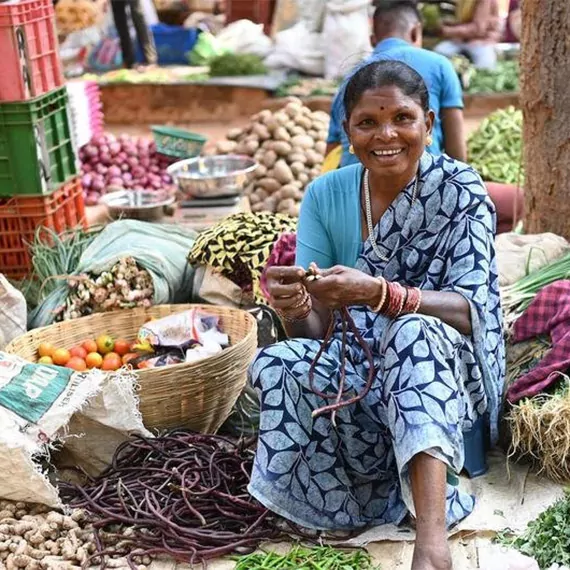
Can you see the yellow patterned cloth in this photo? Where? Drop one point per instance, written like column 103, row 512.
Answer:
column 240, row 245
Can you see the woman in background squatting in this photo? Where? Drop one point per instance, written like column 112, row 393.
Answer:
column 406, row 240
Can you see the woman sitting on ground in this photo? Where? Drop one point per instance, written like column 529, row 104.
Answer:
column 406, row 241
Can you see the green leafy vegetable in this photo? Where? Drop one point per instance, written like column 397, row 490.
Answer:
column 503, row 79
column 206, row 49
column 546, row 539
column 235, row 64
column 301, row 558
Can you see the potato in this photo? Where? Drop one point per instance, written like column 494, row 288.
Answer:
column 269, row 204
column 303, row 122
column 298, row 131
column 261, row 193
column 315, row 158
column 261, row 131
column 267, row 145
column 321, row 116
column 318, row 126
column 281, row 134
column 282, row 148
column 297, row 155
column 270, row 158
column 297, row 168
column 285, row 205
column 313, row 134
column 251, row 146
column 303, row 179
column 288, row 192
column 298, row 184
column 262, row 116
column 261, row 171
column 281, row 118
column 321, row 147
column 257, row 207
column 258, row 156
column 272, row 124
column 226, row 147
column 303, row 141
column 234, row 134
column 270, row 185
column 241, row 148
column 293, row 109
column 282, row 172
column 295, row 100
column 254, row 199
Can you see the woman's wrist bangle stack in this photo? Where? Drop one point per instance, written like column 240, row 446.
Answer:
column 306, row 300
column 396, row 300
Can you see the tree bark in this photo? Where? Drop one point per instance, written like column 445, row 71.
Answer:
column 545, row 101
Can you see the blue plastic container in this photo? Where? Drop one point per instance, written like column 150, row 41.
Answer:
column 173, row 44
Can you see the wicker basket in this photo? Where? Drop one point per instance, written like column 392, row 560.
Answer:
column 197, row 395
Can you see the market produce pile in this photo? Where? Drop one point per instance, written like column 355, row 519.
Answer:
column 74, row 15
column 182, row 494
column 236, row 64
column 290, row 146
column 124, row 286
column 546, row 538
column 110, row 163
column 308, row 87
column 104, row 352
column 495, row 148
column 33, row 537
column 503, row 79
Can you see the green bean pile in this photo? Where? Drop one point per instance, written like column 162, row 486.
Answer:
column 301, row 558
column 495, row 148
column 503, row 79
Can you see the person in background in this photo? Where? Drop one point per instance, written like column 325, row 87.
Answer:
column 397, row 35
column 144, row 35
column 513, row 30
column 475, row 33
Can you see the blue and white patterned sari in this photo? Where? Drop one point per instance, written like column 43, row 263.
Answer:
column 431, row 383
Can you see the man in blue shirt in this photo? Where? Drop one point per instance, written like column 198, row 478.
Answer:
column 398, row 35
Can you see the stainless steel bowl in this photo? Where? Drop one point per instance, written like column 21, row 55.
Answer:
column 145, row 205
column 213, row 176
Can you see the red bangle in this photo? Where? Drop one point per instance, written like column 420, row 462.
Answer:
column 395, row 300
column 413, row 300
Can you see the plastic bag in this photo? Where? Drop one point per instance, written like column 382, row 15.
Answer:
column 244, row 36
column 346, row 32
column 299, row 49
column 161, row 249
column 41, row 404
column 207, row 47
column 13, row 312
column 312, row 13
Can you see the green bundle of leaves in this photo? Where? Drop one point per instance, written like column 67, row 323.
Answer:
column 237, row 64
column 546, row 539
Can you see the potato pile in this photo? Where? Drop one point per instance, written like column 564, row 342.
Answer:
column 33, row 537
column 290, row 147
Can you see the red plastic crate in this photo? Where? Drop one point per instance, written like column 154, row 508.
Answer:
column 29, row 49
column 20, row 217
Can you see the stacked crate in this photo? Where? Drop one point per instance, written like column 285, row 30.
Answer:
column 39, row 182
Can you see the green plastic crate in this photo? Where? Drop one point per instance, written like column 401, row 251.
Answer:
column 177, row 143
column 37, row 151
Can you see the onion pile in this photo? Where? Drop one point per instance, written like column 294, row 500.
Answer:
column 121, row 162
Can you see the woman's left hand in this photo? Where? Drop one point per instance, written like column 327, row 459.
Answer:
column 342, row 286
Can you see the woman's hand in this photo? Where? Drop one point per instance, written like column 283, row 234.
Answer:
column 288, row 294
column 343, row 286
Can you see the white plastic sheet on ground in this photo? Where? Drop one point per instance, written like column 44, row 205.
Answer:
column 39, row 404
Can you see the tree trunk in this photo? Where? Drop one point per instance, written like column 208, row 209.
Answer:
column 545, row 101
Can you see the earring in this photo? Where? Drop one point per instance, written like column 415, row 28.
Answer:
column 351, row 149
column 429, row 141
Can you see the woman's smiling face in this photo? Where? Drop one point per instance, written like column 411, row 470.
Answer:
column 388, row 130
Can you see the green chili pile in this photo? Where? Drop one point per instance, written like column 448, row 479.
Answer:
column 495, row 148
column 301, row 558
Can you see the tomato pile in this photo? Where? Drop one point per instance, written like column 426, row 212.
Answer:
column 104, row 353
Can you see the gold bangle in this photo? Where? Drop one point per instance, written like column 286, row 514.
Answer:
column 383, row 295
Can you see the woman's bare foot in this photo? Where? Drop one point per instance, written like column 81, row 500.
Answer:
column 429, row 555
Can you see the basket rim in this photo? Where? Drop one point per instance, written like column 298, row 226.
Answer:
column 187, row 306
column 180, row 133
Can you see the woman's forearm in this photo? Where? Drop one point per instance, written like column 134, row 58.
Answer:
column 314, row 326
column 452, row 308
